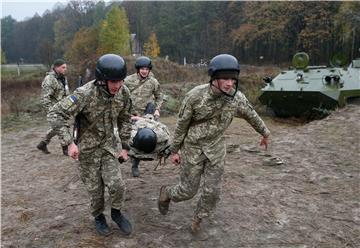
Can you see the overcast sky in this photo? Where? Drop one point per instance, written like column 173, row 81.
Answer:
column 20, row 10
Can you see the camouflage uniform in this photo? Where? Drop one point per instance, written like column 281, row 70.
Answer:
column 203, row 118
column 144, row 91
column 162, row 135
column 54, row 88
column 101, row 116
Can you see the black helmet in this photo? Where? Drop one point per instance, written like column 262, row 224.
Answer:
column 145, row 140
column 224, row 66
column 110, row 67
column 143, row 62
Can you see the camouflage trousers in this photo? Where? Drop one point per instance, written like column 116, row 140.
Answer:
column 100, row 169
column 192, row 170
column 49, row 135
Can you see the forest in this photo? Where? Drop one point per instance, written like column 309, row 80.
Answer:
column 310, row 199
column 254, row 32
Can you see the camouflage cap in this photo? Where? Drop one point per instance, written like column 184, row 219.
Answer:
column 59, row 62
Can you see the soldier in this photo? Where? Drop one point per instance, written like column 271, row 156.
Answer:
column 54, row 88
column 103, row 106
column 144, row 88
column 149, row 140
column 205, row 114
column 146, row 95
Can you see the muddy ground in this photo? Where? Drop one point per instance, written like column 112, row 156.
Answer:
column 311, row 200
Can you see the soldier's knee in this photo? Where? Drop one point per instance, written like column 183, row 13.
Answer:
column 117, row 186
column 188, row 193
column 211, row 198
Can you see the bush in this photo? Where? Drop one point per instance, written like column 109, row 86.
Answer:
column 27, row 72
column 22, row 94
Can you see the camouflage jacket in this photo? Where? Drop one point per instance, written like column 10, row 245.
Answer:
column 143, row 92
column 162, row 135
column 102, row 117
column 203, row 118
column 54, row 88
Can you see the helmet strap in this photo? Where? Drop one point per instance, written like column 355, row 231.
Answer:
column 100, row 82
column 104, row 85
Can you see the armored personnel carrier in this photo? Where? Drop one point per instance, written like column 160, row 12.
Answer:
column 311, row 91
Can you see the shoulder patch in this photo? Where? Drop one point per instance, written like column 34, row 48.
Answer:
column 69, row 102
column 73, row 98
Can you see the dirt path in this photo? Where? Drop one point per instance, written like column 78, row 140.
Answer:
column 311, row 200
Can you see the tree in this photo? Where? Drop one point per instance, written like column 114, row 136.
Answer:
column 54, row 31
column 25, row 42
column 152, row 48
column 347, row 29
column 197, row 30
column 264, row 31
column 143, row 17
column 114, row 36
column 183, row 28
column 315, row 37
column 3, row 58
column 76, row 15
column 7, row 34
column 81, row 52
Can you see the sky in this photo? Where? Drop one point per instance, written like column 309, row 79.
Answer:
column 20, row 10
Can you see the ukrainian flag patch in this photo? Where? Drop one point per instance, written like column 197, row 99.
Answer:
column 73, row 99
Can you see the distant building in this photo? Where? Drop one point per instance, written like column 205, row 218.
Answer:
column 135, row 46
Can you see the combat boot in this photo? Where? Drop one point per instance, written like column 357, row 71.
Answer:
column 65, row 150
column 195, row 225
column 101, row 226
column 42, row 146
column 121, row 221
column 135, row 167
column 164, row 201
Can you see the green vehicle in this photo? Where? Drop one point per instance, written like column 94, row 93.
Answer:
column 311, row 91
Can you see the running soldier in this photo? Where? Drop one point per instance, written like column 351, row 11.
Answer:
column 144, row 88
column 104, row 108
column 146, row 96
column 54, row 88
column 205, row 114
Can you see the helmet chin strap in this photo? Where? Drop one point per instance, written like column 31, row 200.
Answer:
column 104, row 86
column 223, row 92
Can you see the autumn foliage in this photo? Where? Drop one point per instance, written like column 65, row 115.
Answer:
column 152, row 48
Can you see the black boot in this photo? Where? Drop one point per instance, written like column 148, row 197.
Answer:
column 163, row 201
column 101, row 226
column 42, row 146
column 121, row 221
column 135, row 167
column 65, row 150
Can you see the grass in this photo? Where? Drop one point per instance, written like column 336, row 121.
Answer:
column 25, row 72
column 166, row 71
column 13, row 122
column 20, row 97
